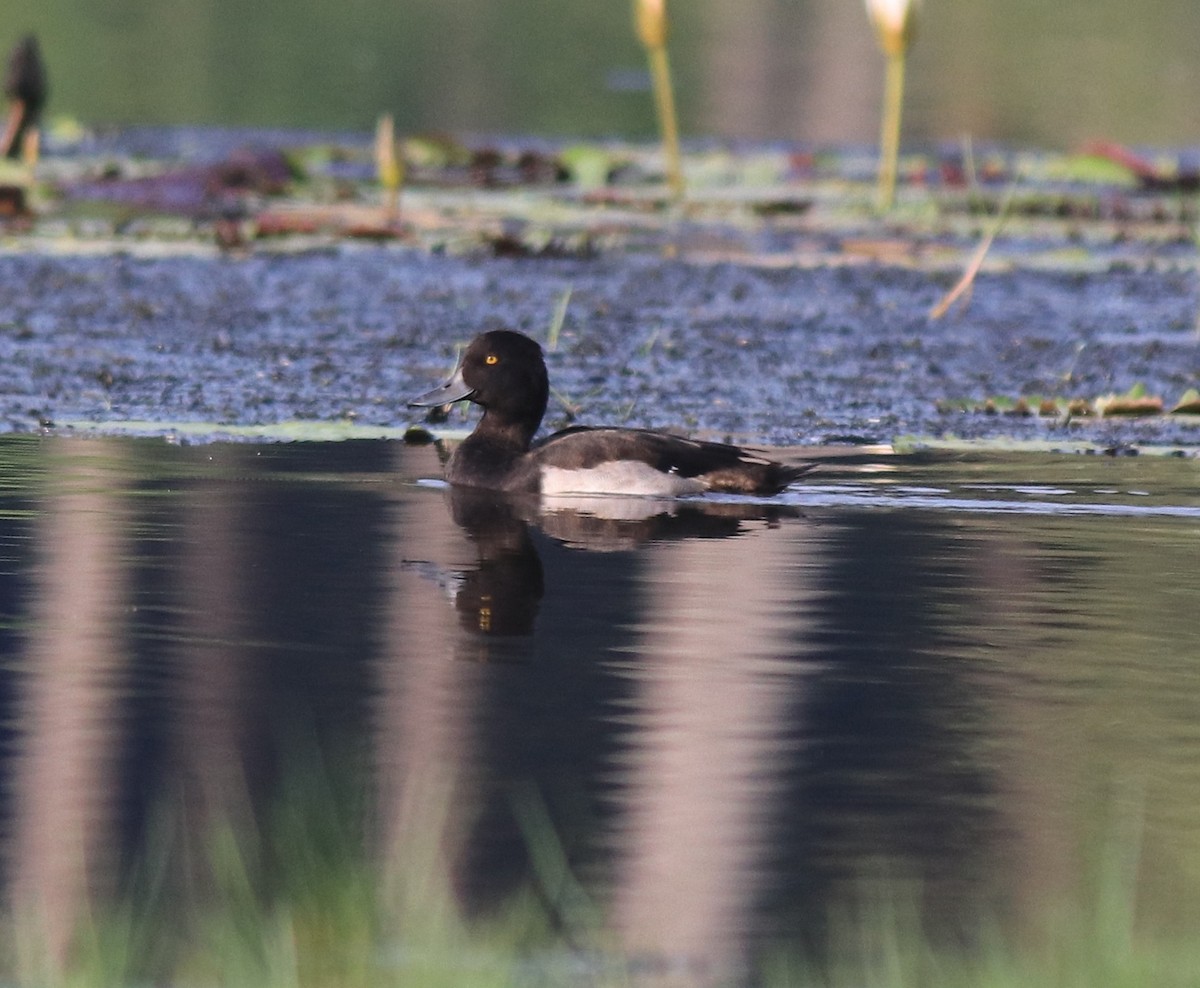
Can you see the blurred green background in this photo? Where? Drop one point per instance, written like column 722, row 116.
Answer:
column 1049, row 73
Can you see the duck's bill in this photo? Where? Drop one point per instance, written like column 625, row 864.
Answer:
column 456, row 389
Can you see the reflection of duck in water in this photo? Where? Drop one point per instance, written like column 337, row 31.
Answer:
column 499, row 598
column 505, row 374
column 502, row 594
column 604, row 524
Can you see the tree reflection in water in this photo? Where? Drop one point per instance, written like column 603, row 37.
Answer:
column 726, row 712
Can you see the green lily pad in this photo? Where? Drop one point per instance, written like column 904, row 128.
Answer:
column 589, row 166
column 1092, row 169
column 904, row 445
column 1189, row 404
column 335, row 431
column 1135, row 401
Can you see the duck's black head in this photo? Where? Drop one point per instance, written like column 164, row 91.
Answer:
column 504, row 373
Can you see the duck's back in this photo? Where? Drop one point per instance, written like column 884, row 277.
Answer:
column 585, row 460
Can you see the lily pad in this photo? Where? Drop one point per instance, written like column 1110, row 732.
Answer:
column 1189, row 404
column 1135, row 401
column 203, row 431
column 588, row 166
column 1093, row 169
column 904, row 445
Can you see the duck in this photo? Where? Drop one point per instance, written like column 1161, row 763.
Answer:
column 504, row 373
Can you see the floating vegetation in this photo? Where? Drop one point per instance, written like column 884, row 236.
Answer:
column 181, row 432
column 581, row 198
column 1188, row 404
column 827, row 293
column 1134, row 402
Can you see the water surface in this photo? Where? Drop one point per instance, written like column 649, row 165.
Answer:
column 960, row 674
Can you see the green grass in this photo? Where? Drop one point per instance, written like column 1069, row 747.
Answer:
column 295, row 899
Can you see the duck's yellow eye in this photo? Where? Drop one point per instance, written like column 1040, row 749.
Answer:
column 491, row 358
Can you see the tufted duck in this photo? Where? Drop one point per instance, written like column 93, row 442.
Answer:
column 505, row 374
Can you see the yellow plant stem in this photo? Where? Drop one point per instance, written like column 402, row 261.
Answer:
column 388, row 166
column 889, row 138
column 664, row 100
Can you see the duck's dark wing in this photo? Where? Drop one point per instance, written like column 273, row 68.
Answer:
column 714, row 466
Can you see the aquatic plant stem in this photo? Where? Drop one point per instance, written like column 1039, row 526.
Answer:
column 559, row 317
column 889, row 137
column 389, row 166
column 964, row 284
column 664, row 101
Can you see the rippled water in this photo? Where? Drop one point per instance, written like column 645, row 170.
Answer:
column 954, row 672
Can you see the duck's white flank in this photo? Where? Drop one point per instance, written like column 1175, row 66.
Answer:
column 619, row 477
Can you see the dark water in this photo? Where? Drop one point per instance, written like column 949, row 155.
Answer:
column 957, row 673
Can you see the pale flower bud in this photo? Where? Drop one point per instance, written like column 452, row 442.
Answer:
column 895, row 23
column 650, row 19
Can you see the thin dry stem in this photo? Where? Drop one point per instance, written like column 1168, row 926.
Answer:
column 967, row 281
